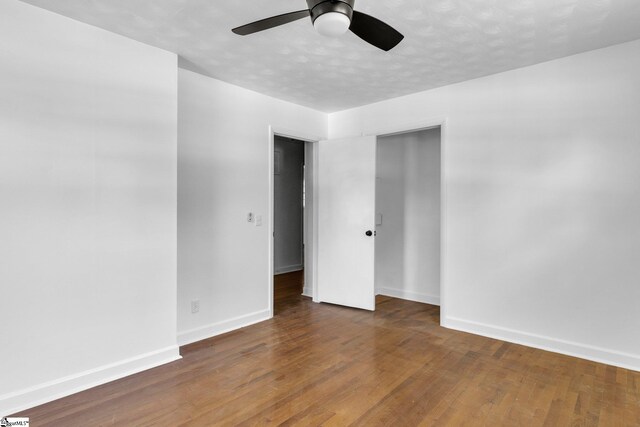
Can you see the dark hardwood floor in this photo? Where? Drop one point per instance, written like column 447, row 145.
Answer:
column 287, row 291
column 318, row 364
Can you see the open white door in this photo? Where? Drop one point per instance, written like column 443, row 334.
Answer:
column 346, row 221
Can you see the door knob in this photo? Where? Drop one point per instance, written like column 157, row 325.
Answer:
column 369, row 233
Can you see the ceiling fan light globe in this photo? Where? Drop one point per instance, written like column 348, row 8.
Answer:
column 332, row 24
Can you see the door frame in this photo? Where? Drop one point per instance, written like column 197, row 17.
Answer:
column 431, row 123
column 311, row 239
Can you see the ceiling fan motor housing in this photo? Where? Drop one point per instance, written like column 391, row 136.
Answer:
column 320, row 7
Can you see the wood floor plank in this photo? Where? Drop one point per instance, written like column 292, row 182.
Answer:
column 318, row 364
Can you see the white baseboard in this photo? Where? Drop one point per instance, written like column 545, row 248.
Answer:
column 46, row 392
column 307, row 291
column 288, row 269
column 411, row 296
column 569, row 348
column 208, row 331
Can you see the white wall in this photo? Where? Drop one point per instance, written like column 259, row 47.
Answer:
column 542, row 200
column 223, row 174
column 88, row 124
column 408, row 197
column 287, row 196
column 390, row 203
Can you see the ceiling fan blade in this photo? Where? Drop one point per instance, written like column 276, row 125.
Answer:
column 374, row 31
column 274, row 21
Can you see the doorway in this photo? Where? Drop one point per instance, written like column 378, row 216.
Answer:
column 408, row 216
column 289, row 200
column 408, row 225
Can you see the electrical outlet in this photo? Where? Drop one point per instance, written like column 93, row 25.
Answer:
column 195, row 306
column 258, row 220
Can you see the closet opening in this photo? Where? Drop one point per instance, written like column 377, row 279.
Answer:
column 408, row 216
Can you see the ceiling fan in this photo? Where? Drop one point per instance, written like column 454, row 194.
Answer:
column 333, row 18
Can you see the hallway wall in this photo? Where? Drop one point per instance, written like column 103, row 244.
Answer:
column 288, row 210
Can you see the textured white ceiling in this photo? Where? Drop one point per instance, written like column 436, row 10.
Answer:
column 446, row 41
